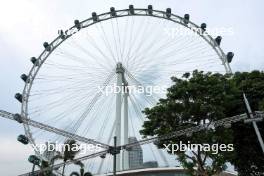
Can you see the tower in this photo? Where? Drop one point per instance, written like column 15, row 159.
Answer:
column 122, row 158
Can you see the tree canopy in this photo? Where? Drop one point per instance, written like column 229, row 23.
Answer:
column 199, row 98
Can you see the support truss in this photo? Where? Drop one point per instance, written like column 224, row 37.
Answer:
column 51, row 129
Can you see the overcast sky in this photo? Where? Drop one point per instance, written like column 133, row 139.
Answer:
column 26, row 24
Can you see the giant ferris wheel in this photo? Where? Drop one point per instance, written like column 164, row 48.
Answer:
column 68, row 86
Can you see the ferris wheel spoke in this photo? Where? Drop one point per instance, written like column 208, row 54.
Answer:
column 74, row 104
column 90, row 105
column 140, row 107
column 105, row 122
column 102, row 53
column 106, row 42
column 93, row 56
column 138, row 83
column 115, row 42
column 111, row 135
column 41, row 94
column 142, row 37
column 124, row 42
column 137, row 108
column 79, row 59
column 119, row 40
column 152, row 51
column 63, row 100
column 71, row 90
column 133, row 40
column 182, row 60
column 182, row 51
column 73, row 69
column 79, row 82
column 95, row 114
column 156, row 54
column 151, row 99
column 72, row 57
column 146, row 36
column 63, row 91
column 176, row 45
column 59, row 101
column 130, row 39
column 186, row 60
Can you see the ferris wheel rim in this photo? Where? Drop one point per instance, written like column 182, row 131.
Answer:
column 91, row 21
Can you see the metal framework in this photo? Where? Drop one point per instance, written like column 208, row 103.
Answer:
column 51, row 129
column 226, row 122
column 64, row 35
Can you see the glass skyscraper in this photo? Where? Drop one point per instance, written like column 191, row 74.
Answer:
column 135, row 154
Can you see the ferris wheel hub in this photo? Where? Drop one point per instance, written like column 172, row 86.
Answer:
column 119, row 68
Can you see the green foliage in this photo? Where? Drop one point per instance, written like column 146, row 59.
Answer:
column 261, row 105
column 249, row 158
column 198, row 98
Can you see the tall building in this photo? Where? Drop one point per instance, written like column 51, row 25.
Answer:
column 150, row 164
column 135, row 154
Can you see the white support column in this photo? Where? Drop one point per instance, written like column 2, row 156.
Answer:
column 122, row 158
column 119, row 72
column 125, row 154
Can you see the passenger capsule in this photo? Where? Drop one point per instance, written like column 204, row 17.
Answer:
column 95, row 17
column 150, row 9
column 168, row 12
column 74, row 174
column 34, row 60
column 24, row 77
column 229, row 57
column 47, row 46
column 218, row 40
column 87, row 174
column 131, row 10
column 112, row 12
column 18, row 118
column 203, row 26
column 18, row 96
column 77, row 24
column 186, row 18
column 23, row 139
column 34, row 159
column 62, row 35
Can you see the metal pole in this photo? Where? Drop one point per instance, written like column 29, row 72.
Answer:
column 119, row 71
column 254, row 123
column 125, row 153
column 33, row 169
column 114, row 155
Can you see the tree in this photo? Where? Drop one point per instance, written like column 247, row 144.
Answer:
column 197, row 99
column 249, row 158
